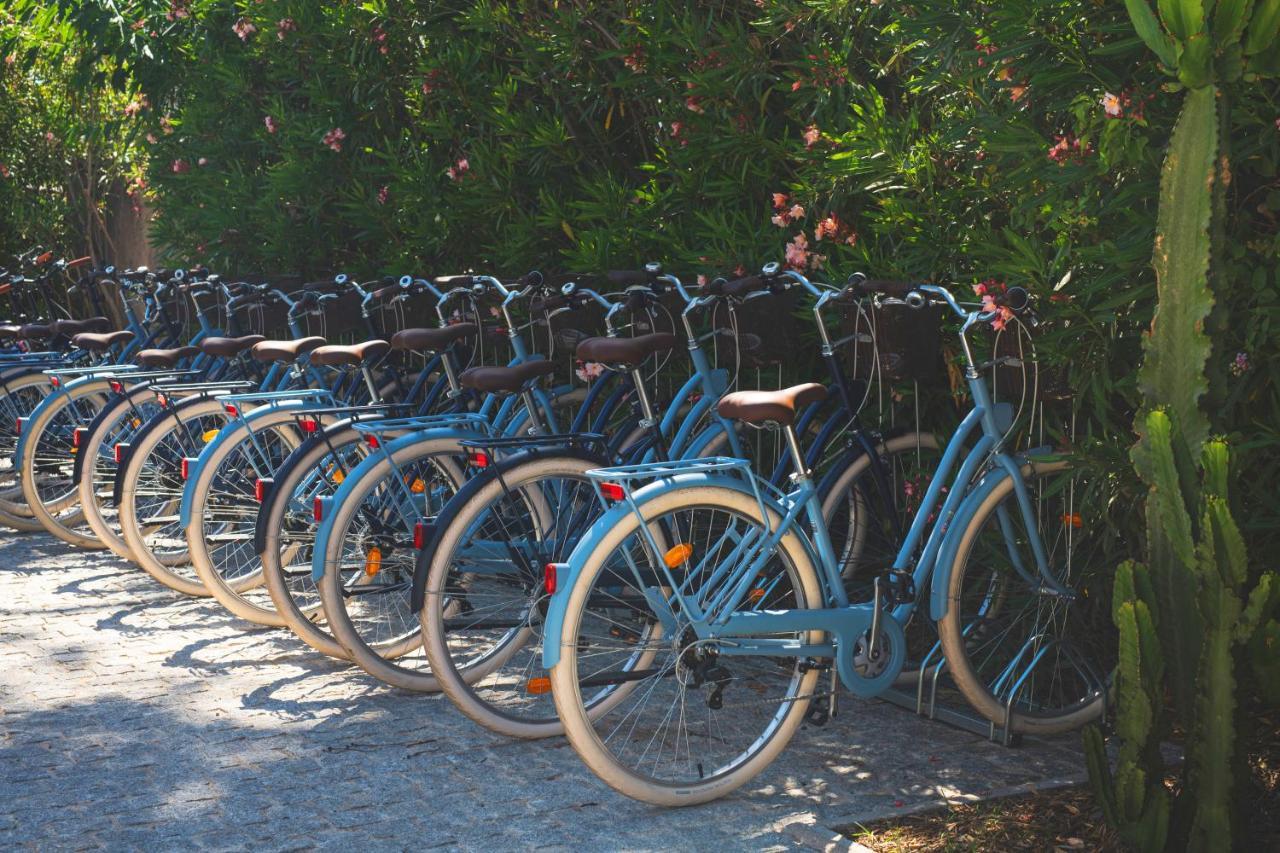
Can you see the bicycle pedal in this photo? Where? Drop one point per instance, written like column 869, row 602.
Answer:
column 818, row 715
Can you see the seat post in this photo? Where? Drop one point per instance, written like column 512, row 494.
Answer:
column 797, row 455
column 531, row 406
column 367, row 373
column 642, row 395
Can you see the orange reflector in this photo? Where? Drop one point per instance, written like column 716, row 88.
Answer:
column 418, row 486
column 339, row 476
column 137, row 422
column 549, row 578
column 677, row 555
column 612, row 491
column 755, row 595
column 209, row 435
column 373, row 561
column 478, row 459
column 309, row 425
column 1073, row 519
column 538, row 686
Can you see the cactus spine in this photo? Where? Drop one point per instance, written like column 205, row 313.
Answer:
column 1183, row 616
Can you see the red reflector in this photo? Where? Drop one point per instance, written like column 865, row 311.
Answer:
column 549, row 578
column 17, row 425
column 317, row 509
column 260, row 489
column 478, row 459
column 373, row 441
column 55, row 381
column 612, row 491
column 77, row 436
column 420, row 535
column 309, row 424
column 118, row 453
column 116, row 386
column 186, row 467
column 163, row 400
column 232, row 410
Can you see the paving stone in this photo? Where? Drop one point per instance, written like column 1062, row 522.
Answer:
column 134, row 717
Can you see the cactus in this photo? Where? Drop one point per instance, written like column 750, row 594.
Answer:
column 1134, row 801
column 1187, row 607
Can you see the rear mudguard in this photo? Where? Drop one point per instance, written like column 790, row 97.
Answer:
column 464, row 496
column 569, row 571
column 959, row 523
column 264, row 512
column 232, row 432
column 358, row 473
column 135, row 394
column 162, row 419
column 85, row 383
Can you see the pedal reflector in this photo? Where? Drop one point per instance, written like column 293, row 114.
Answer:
column 677, row 555
column 373, row 561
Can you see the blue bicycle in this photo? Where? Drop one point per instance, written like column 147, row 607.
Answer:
column 690, row 629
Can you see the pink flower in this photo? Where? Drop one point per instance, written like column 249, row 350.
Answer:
column 458, row 169
column 379, row 36
column 852, row 239
column 178, row 9
column 702, row 281
column 166, row 125
column 4, row 171
column 779, row 201
column 383, row 195
column 1111, row 105
column 635, row 60
column 244, row 29
column 334, row 138
column 1241, row 362
column 203, row 161
column 782, row 220
column 811, row 136
column 796, row 212
column 828, row 227
column 151, row 138
column 797, row 253
column 270, row 124
column 284, row 26
column 1016, row 93
column 180, row 166
column 586, row 371
column 136, row 106
column 48, row 136
column 694, row 104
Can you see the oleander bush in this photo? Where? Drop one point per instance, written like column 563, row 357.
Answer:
column 1019, row 141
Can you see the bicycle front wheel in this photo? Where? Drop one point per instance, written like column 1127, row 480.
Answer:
column 661, row 715
column 1026, row 656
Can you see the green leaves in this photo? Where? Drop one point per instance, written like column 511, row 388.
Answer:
column 1264, row 28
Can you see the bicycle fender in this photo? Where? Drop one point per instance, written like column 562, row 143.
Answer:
column 78, row 468
column 172, row 413
column 48, row 403
column 947, row 551
column 568, row 572
column 361, row 470
column 327, row 432
column 418, row 593
column 233, row 431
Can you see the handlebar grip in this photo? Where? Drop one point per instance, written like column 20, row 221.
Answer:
column 743, row 286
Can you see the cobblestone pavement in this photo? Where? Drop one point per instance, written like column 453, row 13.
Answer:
column 131, row 716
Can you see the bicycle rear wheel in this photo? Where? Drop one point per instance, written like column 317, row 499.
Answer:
column 662, row 716
column 117, row 423
column 370, row 556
